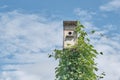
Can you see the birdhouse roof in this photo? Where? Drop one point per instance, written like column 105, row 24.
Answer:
column 69, row 23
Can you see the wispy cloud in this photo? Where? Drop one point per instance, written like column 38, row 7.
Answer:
column 25, row 41
column 112, row 5
column 84, row 14
column 105, row 39
column 4, row 6
column 110, row 46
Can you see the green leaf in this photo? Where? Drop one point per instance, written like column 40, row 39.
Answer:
column 49, row 55
column 93, row 31
column 101, row 53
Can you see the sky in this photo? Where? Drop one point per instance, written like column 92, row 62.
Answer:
column 32, row 29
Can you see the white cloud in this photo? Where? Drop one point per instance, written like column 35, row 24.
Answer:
column 18, row 75
column 113, row 5
column 43, row 70
column 109, row 45
column 28, row 32
column 110, row 61
column 26, row 40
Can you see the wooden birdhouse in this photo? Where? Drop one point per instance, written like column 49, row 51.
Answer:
column 69, row 34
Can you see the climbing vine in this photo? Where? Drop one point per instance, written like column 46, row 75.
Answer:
column 77, row 62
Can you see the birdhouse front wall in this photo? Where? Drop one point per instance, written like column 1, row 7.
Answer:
column 70, row 36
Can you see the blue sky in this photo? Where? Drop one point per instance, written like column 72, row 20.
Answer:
column 31, row 29
column 61, row 8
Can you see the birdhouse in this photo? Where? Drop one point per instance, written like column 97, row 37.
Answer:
column 69, row 34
